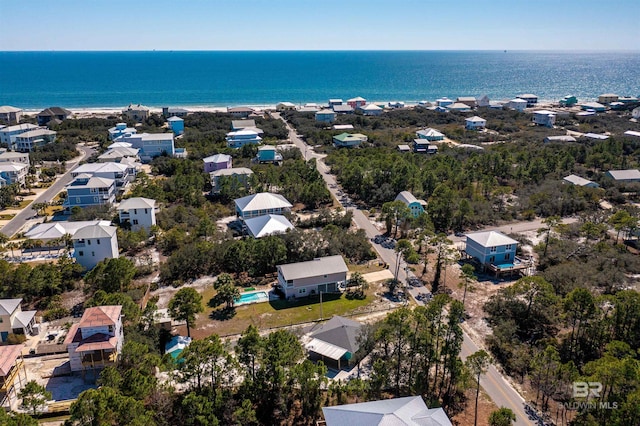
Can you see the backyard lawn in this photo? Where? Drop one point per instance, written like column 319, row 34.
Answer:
column 276, row 313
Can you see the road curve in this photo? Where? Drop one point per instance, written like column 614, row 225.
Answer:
column 19, row 220
column 493, row 382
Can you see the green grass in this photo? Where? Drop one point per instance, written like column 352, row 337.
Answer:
column 7, row 216
column 278, row 313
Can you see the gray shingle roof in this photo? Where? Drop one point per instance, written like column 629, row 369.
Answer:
column 313, row 268
column 341, row 332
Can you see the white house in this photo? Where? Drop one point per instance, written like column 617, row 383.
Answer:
column 579, row 181
column 326, row 116
column 632, row 175
column 150, row 144
column 517, row 104
column 372, row 109
column 37, row 138
column 475, row 123
column 13, row 320
column 8, row 134
column 94, row 243
column 636, row 113
column 121, row 173
column 240, row 138
column 261, row 204
column 96, row 341
column 430, row 134
column 117, row 155
column 608, row 98
column 544, row 118
column 245, row 125
column 459, row 106
column 407, row 411
column 269, row 224
column 49, row 231
column 121, row 129
column 301, row 279
column 14, row 157
column 285, row 106
column 139, row 212
column 10, row 114
column 444, row 102
column 484, row 101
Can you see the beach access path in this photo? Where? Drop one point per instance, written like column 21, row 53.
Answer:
column 27, row 213
column 493, row 382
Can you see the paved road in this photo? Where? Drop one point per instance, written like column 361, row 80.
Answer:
column 494, row 384
column 16, row 224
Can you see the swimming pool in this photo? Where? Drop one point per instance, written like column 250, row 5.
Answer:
column 253, row 297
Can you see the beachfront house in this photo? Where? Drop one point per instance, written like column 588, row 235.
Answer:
column 326, row 116
column 174, row 112
column 593, row 106
column 357, row 102
column 579, row 181
column 517, row 104
column 217, row 162
column 336, row 340
column 36, row 138
column 320, row 275
column 544, row 118
column 236, row 177
column 335, row 101
column 568, row 101
column 608, row 98
column 240, row 112
column 285, row 106
column 470, row 101
column 176, row 124
column 55, row 114
column 121, row 173
column 261, row 204
column 11, row 369
column 268, row 154
column 423, row 146
column 372, row 110
column 8, row 134
column 138, row 213
column 532, row 100
column 94, row 243
column 459, row 107
column 96, row 341
column 87, row 191
column 13, row 320
column 444, row 102
column 559, row 138
column 121, row 129
column 240, row 138
column 343, row 109
column 475, row 123
column 484, row 101
column 631, row 175
column 14, row 157
column 10, row 114
column 11, row 173
column 415, row 206
column 349, row 140
column 136, row 112
column 151, row 145
column 245, row 125
column 269, row 224
column 407, row 411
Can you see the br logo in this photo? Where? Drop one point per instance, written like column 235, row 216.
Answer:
column 586, row 389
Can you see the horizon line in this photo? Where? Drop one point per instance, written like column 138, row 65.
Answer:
column 322, row 50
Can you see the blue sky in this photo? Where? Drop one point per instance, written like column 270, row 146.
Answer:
column 319, row 25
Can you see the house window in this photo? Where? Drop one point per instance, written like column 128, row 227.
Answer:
column 325, row 275
column 77, row 200
column 508, row 246
column 88, row 242
column 94, row 190
column 507, row 256
column 289, row 283
column 302, row 291
column 135, row 211
column 492, row 259
column 93, row 253
column 97, row 241
column 110, row 329
column 80, row 253
column 135, row 221
column 492, row 249
column 95, row 199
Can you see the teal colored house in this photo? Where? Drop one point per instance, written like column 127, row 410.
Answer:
column 268, row 154
column 348, row 140
column 416, row 206
column 568, row 101
column 176, row 124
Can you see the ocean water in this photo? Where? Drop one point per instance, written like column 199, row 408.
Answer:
column 34, row 80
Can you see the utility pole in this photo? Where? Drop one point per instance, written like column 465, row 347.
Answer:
column 321, row 306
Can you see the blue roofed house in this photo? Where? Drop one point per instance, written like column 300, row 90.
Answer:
column 415, row 206
column 86, row 191
column 176, row 124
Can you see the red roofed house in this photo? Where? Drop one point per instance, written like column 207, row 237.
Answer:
column 11, row 365
column 96, row 341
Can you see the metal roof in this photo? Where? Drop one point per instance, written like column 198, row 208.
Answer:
column 95, row 231
column 8, row 356
column 408, row 198
column 12, row 166
column 137, row 203
column 490, row 238
column 326, row 349
column 475, row 119
column 217, row 158
column 262, row 201
column 632, row 174
column 109, row 167
column 269, row 224
column 430, row 132
column 313, row 268
column 8, row 306
column 94, row 182
column 232, row 171
column 5, row 109
column 18, row 127
column 99, row 316
column 52, row 230
column 577, row 180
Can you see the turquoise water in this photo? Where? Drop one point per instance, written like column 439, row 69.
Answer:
column 259, row 296
column 114, row 79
